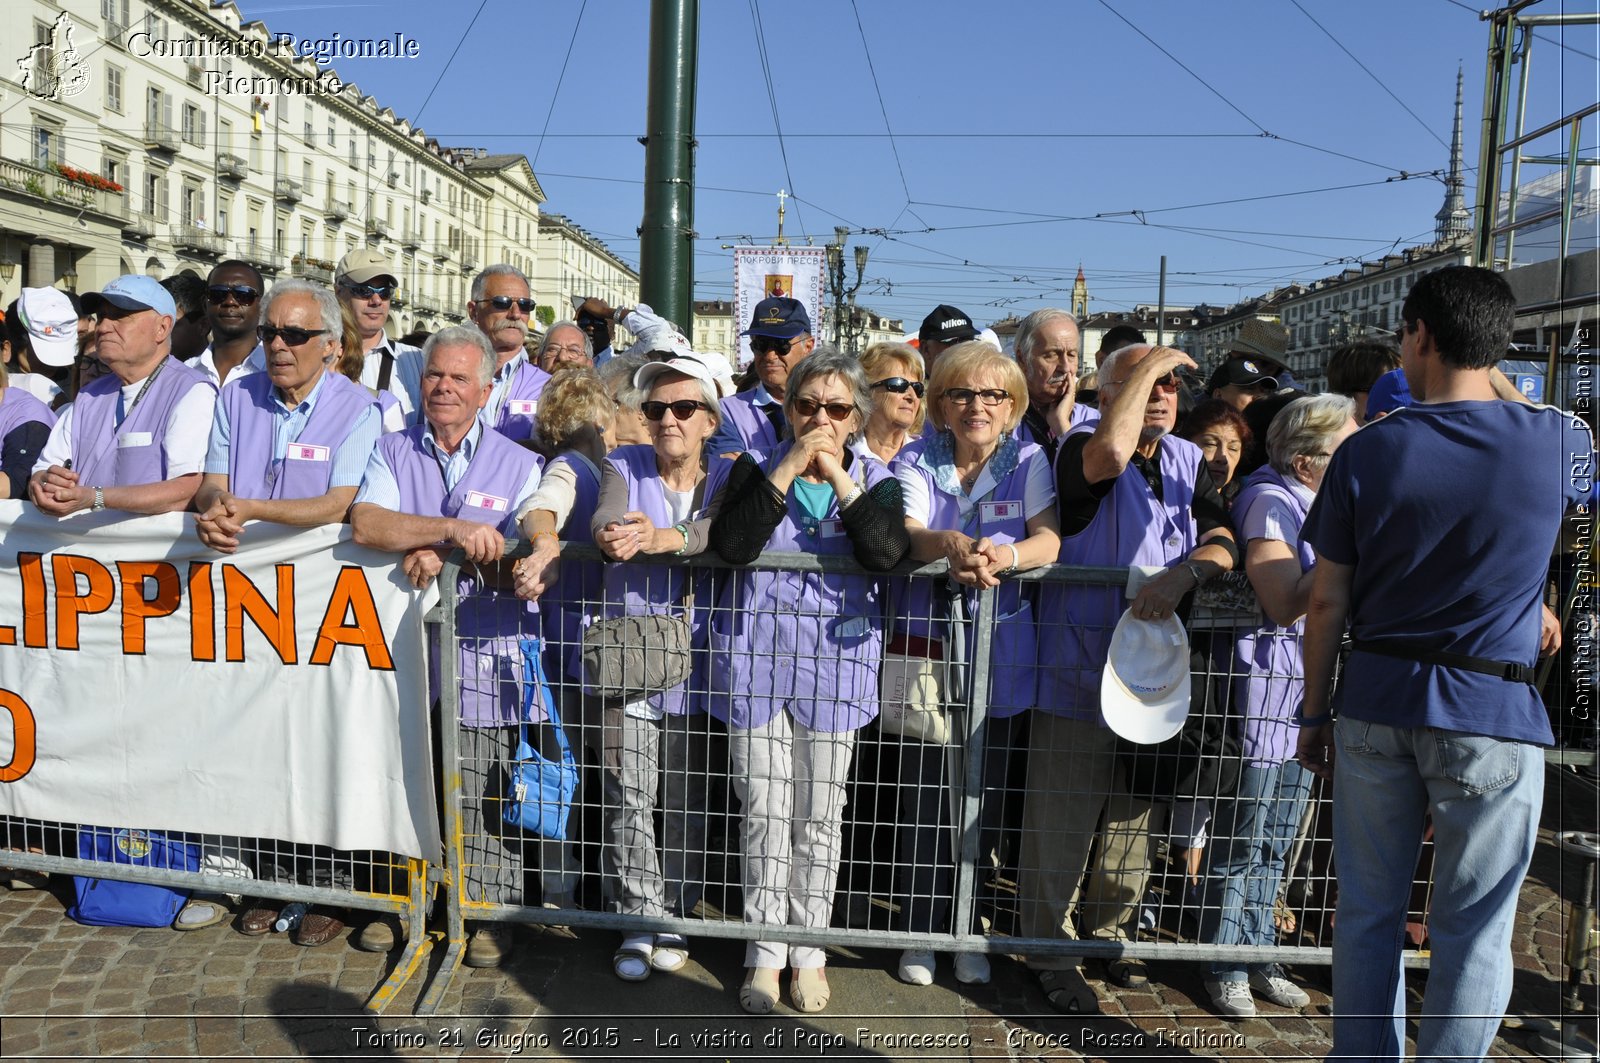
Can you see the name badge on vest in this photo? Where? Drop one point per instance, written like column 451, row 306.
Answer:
column 493, row 503
column 307, row 452
column 522, row 407
column 998, row 511
column 135, row 439
column 831, row 529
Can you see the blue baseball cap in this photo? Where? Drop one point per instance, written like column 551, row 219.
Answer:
column 133, row 291
column 1389, row 393
column 779, row 318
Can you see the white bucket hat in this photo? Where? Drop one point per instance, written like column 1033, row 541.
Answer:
column 1144, row 689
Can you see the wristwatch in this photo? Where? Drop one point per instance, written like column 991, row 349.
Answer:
column 99, row 499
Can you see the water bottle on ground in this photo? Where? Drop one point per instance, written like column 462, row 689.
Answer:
column 290, row 917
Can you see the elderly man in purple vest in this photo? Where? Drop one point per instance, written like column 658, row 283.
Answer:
column 500, row 306
column 1047, row 349
column 780, row 335
column 289, row 445
column 366, row 283
column 1129, row 493
column 135, row 439
column 450, row 481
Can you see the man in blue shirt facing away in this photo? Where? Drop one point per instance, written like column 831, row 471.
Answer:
column 1433, row 531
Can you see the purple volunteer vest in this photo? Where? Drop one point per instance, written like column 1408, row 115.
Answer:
column 1130, row 528
column 490, row 621
column 999, row 516
column 251, row 404
column 579, row 584
column 806, row 642
column 17, row 408
column 518, row 414
column 641, row 589
column 750, row 421
column 105, row 454
column 1268, row 665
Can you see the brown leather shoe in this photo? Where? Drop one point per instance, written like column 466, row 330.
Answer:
column 318, row 928
column 258, row 920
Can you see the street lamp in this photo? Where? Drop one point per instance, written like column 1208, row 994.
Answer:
column 846, row 331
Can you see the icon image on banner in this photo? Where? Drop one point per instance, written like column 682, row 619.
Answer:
column 134, row 844
column 53, row 70
column 779, row 285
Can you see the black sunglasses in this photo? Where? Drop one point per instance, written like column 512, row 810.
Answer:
column 807, row 409
column 900, row 385
column 503, row 302
column 683, row 409
column 293, row 337
column 367, row 291
column 242, row 294
column 764, row 344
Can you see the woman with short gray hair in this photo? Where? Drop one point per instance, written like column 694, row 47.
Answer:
column 794, row 656
column 1255, row 827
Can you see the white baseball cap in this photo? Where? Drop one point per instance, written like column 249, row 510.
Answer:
column 1144, row 689
column 679, row 358
column 52, row 324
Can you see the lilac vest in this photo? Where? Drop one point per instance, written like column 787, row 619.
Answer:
column 634, row 589
column 251, row 406
column 1268, row 666
column 579, row 584
column 1130, row 528
column 750, row 421
column 105, row 454
column 806, row 642
column 490, row 621
column 17, row 408
column 1000, row 517
column 518, row 418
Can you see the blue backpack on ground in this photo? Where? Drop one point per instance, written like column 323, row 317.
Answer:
column 109, row 902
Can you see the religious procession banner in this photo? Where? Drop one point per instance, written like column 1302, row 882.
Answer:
column 765, row 272
column 147, row 681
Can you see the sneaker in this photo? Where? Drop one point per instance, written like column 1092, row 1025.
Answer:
column 972, row 968
column 1270, row 984
column 916, row 967
column 1231, row 998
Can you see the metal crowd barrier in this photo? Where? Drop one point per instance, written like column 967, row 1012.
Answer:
column 376, row 882
column 910, row 873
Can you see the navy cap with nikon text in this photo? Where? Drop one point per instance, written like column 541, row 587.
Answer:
column 947, row 325
column 779, row 318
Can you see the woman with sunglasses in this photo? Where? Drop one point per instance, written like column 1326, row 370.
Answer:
column 794, row 656
column 895, row 370
column 653, row 500
column 983, row 500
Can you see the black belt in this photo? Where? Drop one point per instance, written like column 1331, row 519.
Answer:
column 1510, row 671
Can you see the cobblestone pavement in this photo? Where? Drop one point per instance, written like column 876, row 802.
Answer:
column 70, row 991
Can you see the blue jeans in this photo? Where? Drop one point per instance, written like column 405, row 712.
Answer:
column 1485, row 795
column 1251, row 835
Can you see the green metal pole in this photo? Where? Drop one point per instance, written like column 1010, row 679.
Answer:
column 666, row 236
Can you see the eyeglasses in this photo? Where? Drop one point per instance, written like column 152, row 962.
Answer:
column 900, row 385
column 367, row 291
column 807, row 409
column 291, row 336
column 683, row 409
column 504, row 302
column 557, row 349
column 967, row 396
column 242, row 294
column 767, row 344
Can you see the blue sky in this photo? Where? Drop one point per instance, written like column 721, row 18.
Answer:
column 1253, row 142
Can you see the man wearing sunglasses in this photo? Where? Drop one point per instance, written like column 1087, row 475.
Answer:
column 780, row 335
column 451, row 481
column 233, row 307
column 501, row 304
column 1128, row 493
column 135, row 439
column 1047, row 350
column 365, row 281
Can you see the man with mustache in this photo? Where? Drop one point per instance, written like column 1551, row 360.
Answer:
column 500, row 305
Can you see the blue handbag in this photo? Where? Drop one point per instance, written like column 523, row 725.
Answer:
column 110, row 902
column 541, row 794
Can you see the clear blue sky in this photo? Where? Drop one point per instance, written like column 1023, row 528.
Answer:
column 1014, row 125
